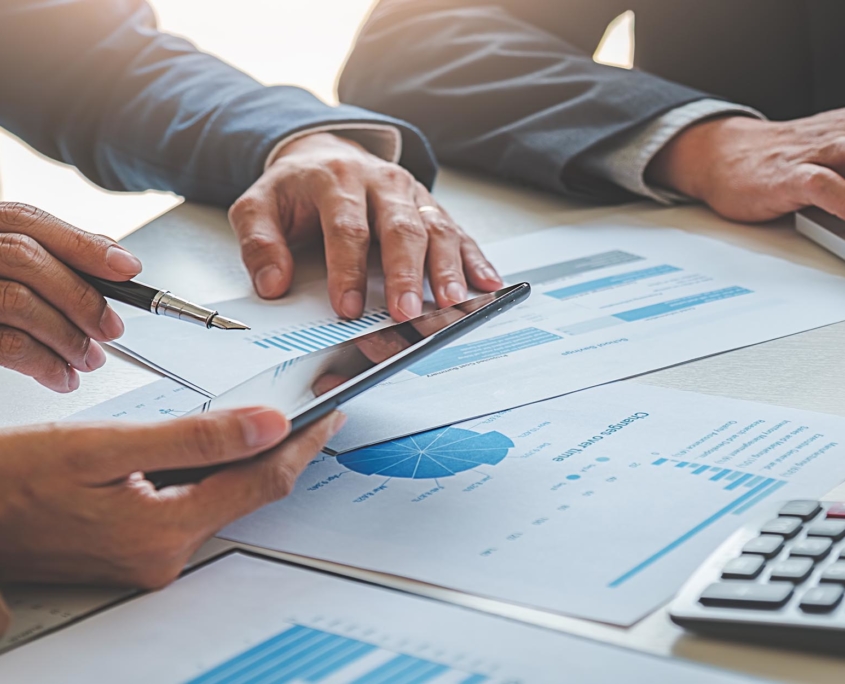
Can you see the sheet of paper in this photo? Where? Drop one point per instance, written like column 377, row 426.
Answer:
column 151, row 403
column 245, row 619
column 599, row 504
column 608, row 303
column 212, row 361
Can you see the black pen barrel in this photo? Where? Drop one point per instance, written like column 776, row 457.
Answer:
column 129, row 292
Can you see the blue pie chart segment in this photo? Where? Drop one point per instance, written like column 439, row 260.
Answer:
column 437, row 453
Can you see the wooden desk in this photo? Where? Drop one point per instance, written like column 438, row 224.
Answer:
column 803, row 371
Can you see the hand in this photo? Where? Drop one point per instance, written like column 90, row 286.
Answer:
column 49, row 316
column 751, row 170
column 322, row 182
column 75, row 506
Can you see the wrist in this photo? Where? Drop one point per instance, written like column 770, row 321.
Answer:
column 691, row 160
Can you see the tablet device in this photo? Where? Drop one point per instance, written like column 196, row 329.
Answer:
column 308, row 387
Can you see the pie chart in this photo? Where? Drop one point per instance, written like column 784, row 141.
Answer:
column 437, row 453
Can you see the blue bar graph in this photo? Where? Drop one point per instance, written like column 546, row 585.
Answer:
column 318, row 337
column 720, row 475
column 451, row 357
column 738, row 481
column 303, row 654
column 679, row 304
column 681, row 464
column 611, row 281
column 702, row 469
column 660, row 461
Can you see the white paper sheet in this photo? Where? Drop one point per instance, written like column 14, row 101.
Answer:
column 609, row 303
column 213, row 361
column 599, row 504
column 243, row 618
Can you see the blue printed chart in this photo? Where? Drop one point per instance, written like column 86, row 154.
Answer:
column 320, row 334
column 437, row 453
column 302, row 654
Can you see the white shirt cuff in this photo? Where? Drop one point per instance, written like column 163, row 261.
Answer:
column 625, row 162
column 382, row 140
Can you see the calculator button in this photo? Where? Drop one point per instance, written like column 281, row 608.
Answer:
column 792, row 570
column 766, row 545
column 747, row 595
column 744, row 567
column 834, row 529
column 815, row 548
column 786, row 527
column 806, row 510
column 821, row 599
column 836, row 510
column 834, row 573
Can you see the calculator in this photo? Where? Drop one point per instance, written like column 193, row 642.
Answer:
column 779, row 580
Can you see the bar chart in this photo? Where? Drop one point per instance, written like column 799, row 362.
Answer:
column 302, row 654
column 319, row 334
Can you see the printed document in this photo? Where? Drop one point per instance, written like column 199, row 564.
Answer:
column 244, row 619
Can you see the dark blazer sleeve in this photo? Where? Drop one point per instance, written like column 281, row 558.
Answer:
column 496, row 93
column 93, row 83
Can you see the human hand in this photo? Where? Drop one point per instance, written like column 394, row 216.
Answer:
column 324, row 183
column 49, row 316
column 752, row 170
column 75, row 506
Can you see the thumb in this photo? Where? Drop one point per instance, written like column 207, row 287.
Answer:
column 110, row 452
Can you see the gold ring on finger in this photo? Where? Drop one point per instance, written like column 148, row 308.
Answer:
column 427, row 208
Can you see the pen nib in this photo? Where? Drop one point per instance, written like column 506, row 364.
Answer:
column 224, row 323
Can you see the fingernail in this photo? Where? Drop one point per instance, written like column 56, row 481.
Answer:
column 268, row 281
column 410, row 304
column 123, row 262
column 263, row 428
column 455, row 292
column 352, row 304
column 110, row 324
column 489, row 274
column 96, row 357
column 338, row 421
column 72, row 380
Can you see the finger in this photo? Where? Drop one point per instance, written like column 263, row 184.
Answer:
column 24, row 260
column 443, row 263
column 111, row 452
column 404, row 243
column 256, row 220
column 480, row 272
column 343, row 214
column 95, row 254
column 823, row 188
column 21, row 308
column 237, row 491
column 20, row 353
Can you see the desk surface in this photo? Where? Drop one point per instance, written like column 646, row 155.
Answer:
column 803, row 371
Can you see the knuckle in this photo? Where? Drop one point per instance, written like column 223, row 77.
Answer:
column 13, row 344
column 408, row 229
column 441, row 227
column 85, row 298
column 205, row 437
column 279, row 482
column 350, row 230
column 16, row 298
column 18, row 250
column 244, row 206
column 20, row 215
column 253, row 245
column 397, row 175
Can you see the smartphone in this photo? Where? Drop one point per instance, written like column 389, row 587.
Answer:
column 309, row 387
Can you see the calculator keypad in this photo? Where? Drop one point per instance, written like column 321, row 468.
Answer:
column 781, row 562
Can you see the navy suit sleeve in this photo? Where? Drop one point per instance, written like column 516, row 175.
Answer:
column 93, row 83
column 498, row 94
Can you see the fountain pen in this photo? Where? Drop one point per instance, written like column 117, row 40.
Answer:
column 161, row 303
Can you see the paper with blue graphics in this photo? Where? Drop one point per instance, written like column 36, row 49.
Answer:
column 599, row 504
column 242, row 619
column 608, row 303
